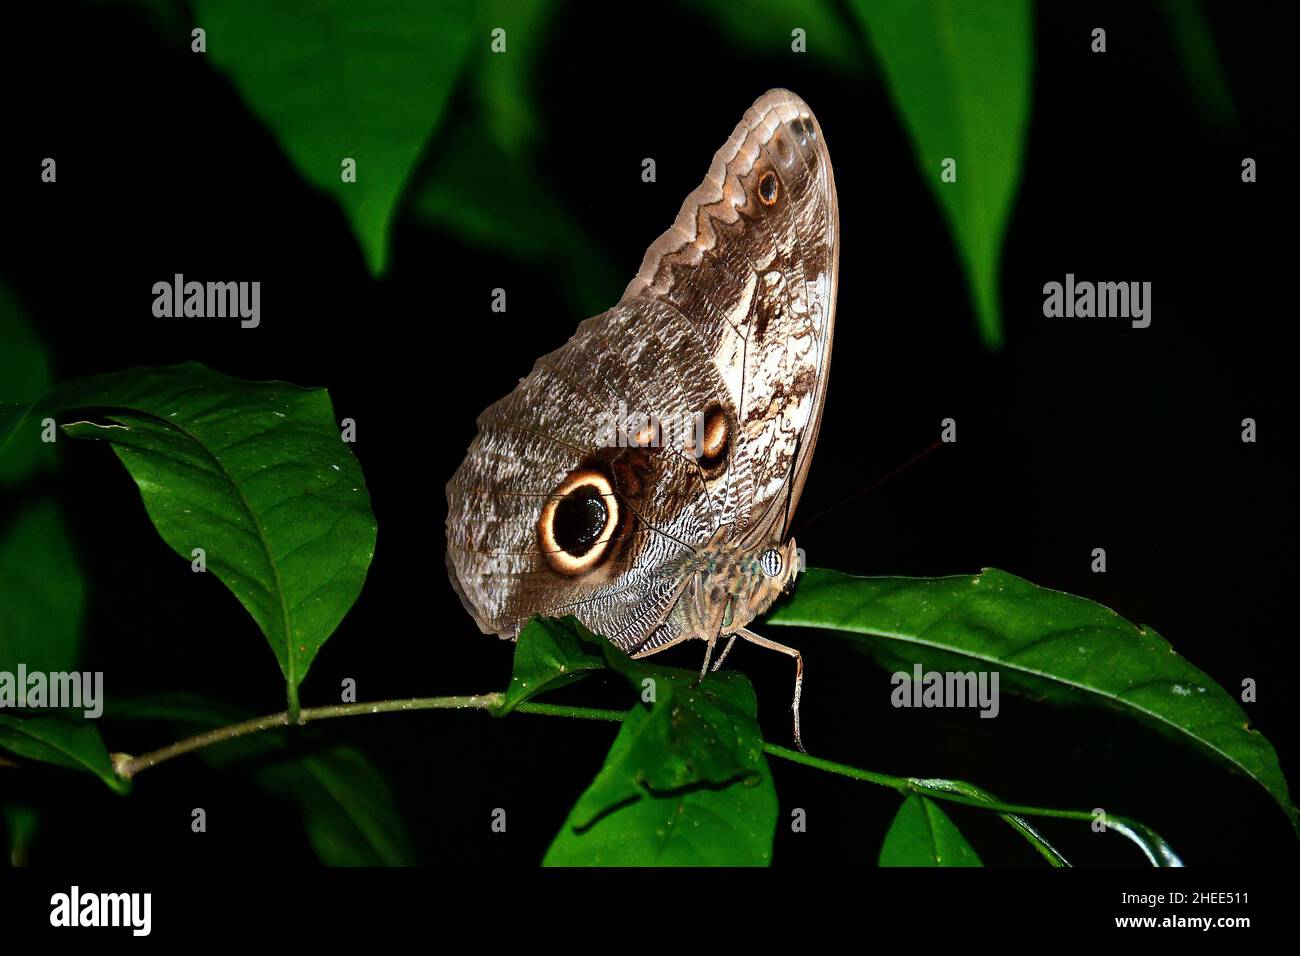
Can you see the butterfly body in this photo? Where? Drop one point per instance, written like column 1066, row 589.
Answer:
column 673, row 525
column 728, row 586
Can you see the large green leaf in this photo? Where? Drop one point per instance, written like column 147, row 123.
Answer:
column 42, row 592
column 255, row 474
column 63, row 741
column 549, row 655
column 923, row 835
column 729, row 826
column 24, row 373
column 960, row 74
column 1045, row 642
column 347, row 809
column 685, row 783
column 335, row 79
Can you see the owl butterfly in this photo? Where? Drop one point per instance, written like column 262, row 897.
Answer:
column 673, row 525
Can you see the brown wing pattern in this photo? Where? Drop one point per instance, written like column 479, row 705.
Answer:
column 551, row 426
column 731, row 315
column 757, row 278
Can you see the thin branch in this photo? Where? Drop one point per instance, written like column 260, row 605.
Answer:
column 844, row 770
column 562, row 710
column 127, row 767
column 954, row 791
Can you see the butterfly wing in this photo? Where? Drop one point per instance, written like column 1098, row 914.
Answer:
column 550, row 438
column 752, row 260
column 724, row 338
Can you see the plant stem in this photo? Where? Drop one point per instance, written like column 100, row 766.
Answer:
column 560, row 710
column 128, row 767
column 954, row 791
column 808, row 760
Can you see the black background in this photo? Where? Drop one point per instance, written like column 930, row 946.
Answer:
column 1079, row 434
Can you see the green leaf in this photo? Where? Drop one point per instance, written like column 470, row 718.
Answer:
column 42, row 592
column 730, row 826
column 338, row 80
column 690, row 735
column 60, row 740
column 505, row 83
column 495, row 200
column 1194, row 38
column 254, row 473
column 21, row 821
column 1044, row 642
column 960, row 75
column 922, row 835
column 764, row 28
column 347, row 808
column 1021, row 825
column 483, row 185
column 348, row 811
column 1152, row 844
column 549, row 655
column 24, row 373
column 685, row 784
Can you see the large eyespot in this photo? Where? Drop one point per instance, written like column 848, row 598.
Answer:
column 578, row 522
column 770, row 562
column 767, row 188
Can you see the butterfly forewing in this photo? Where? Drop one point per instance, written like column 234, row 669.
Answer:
column 751, row 260
column 723, row 339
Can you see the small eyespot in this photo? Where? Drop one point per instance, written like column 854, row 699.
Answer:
column 784, row 151
column 771, row 562
column 767, row 188
column 710, row 442
column 577, row 522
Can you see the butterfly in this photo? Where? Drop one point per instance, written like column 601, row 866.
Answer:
column 671, row 522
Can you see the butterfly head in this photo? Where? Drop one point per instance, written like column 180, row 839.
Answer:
column 741, row 583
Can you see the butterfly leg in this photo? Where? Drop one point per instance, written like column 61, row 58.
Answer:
column 708, row 656
column 798, row 674
column 725, row 651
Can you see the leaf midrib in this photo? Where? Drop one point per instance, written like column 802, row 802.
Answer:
column 1051, row 678
column 23, row 729
column 286, row 624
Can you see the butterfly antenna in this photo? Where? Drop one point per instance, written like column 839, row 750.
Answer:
column 869, row 488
